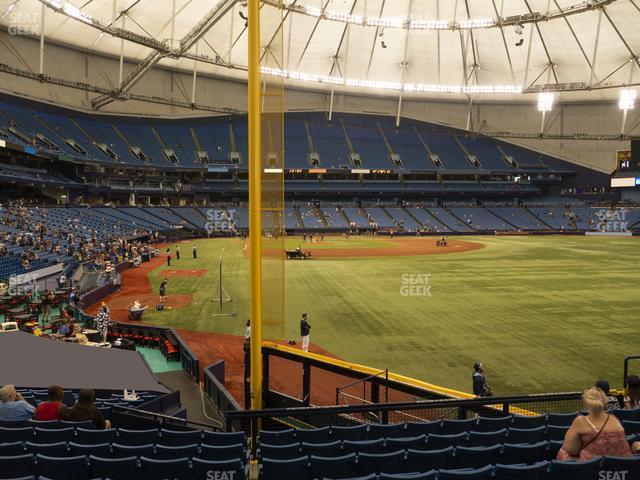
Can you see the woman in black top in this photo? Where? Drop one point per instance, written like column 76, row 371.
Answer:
column 85, row 409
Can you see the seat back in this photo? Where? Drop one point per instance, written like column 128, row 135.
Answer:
column 63, row 468
column 476, row 457
column 537, row 471
column 452, row 427
column 153, row 469
column 121, row 468
column 206, row 469
column 333, row 467
column 355, row 433
column 369, row 463
column 492, row 424
column 313, row 435
column 16, row 466
column 179, row 437
column 280, row 437
column 486, row 439
column 273, row 469
column 571, row 470
column 483, row 473
column 424, row 460
column 223, row 453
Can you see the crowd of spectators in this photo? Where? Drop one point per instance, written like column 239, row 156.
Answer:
column 27, row 227
column 13, row 407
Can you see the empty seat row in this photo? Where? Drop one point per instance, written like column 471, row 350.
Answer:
column 84, row 467
column 369, row 467
column 363, row 432
column 458, row 457
column 115, row 450
column 121, row 435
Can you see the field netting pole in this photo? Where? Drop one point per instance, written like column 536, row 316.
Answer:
column 255, row 205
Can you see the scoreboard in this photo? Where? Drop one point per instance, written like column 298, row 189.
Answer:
column 624, row 162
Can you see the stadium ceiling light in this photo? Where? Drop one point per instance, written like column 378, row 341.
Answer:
column 395, row 86
column 68, row 9
column 627, row 99
column 427, row 24
column 545, row 101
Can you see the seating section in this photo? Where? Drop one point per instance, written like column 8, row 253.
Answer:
column 127, row 140
column 63, row 452
column 510, row 447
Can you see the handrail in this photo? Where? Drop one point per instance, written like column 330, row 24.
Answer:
column 163, row 416
column 417, row 405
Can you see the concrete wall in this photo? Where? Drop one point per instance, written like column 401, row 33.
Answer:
column 74, row 65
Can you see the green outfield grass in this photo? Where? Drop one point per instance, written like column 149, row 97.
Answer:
column 545, row 313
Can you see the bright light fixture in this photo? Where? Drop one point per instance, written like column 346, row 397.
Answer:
column 545, row 101
column 627, row 99
column 395, row 86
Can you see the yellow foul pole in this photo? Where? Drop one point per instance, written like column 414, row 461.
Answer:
column 255, row 205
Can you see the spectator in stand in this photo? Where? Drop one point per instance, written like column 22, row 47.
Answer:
column 85, row 409
column 480, row 387
column 52, row 409
column 612, row 401
column 595, row 434
column 13, row 407
column 47, row 300
column 73, row 298
column 632, row 398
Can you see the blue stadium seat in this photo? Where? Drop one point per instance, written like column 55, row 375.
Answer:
column 556, row 433
column 632, row 415
column 20, row 434
column 536, row 421
column 46, row 435
column 86, row 424
column 574, row 470
column 424, row 460
column 561, row 419
column 332, row 467
column 415, row 443
column 170, row 452
column 58, row 449
column 123, row 451
column 358, row 432
column 273, row 469
column 121, row 468
column 329, row 449
column 223, row 453
column 444, row 441
column 537, row 471
column 476, row 457
column 492, row 424
column 279, row 437
column 630, row 465
column 10, row 449
column 526, row 435
column 313, row 435
column 100, row 450
column 224, row 438
column 207, row 469
column 177, row 469
column 95, row 437
column 63, row 468
column 44, row 424
column 15, row 466
column 14, row 423
column 486, row 439
column 524, row 454
column 373, row 476
column 364, row 446
column 630, row 427
column 369, row 463
column 179, row 437
column 466, row 474
column 415, row 429
column 393, row 430
column 280, row 452
column 554, row 448
column 432, row 475
column 452, row 427
column 137, row 437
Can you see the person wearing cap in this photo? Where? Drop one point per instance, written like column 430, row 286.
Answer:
column 305, row 330
column 480, row 387
column 632, row 398
column 612, row 401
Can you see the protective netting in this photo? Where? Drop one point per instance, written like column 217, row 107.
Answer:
column 272, row 125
